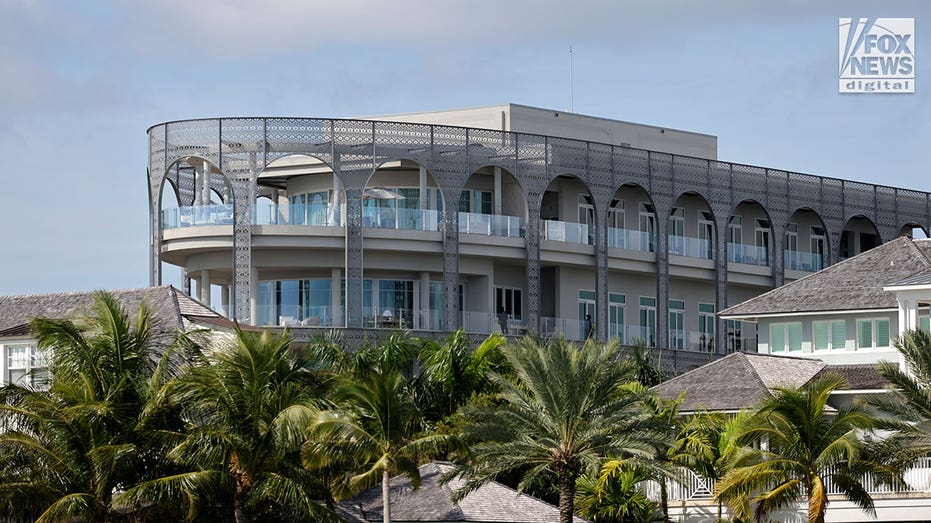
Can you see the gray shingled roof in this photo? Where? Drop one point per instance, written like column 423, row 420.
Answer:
column 170, row 308
column 738, row 381
column 490, row 503
column 862, row 376
column 853, row 284
column 923, row 278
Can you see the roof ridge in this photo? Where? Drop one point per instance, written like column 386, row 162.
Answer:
column 705, row 366
column 177, row 306
column 76, row 293
column 911, row 242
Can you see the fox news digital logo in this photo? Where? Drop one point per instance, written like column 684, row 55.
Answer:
column 877, row 55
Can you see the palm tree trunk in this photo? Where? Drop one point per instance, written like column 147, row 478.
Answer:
column 566, row 498
column 385, row 501
column 720, row 510
column 664, row 499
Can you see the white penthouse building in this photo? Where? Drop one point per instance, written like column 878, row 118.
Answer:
column 505, row 217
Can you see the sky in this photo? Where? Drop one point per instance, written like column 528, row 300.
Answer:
column 81, row 81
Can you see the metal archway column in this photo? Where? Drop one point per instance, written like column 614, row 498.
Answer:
column 720, row 284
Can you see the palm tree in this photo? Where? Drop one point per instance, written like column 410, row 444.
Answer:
column 456, row 370
column 909, row 400
column 614, row 498
column 807, row 443
column 374, row 431
column 64, row 451
column 565, row 409
column 247, row 405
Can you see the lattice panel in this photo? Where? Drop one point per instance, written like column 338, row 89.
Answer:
column 354, row 261
column 157, row 165
column 601, row 178
column 689, row 174
column 567, row 156
column 199, row 138
column 288, row 136
column 887, row 212
column 749, row 183
column 912, row 206
column 451, row 267
column 531, row 167
column 803, row 190
column 487, row 147
column 450, row 161
column 661, row 169
column 396, row 140
column 719, row 185
column 858, row 199
column 184, row 182
column 353, row 143
column 632, row 164
column 832, row 194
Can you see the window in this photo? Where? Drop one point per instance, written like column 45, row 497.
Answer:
column 735, row 341
column 785, row 336
column 311, row 209
column 706, row 326
column 616, row 304
column 706, row 234
column 791, row 247
column 735, row 230
column 616, row 214
column 587, row 216
column 762, row 241
column 817, row 247
column 676, row 324
column 510, row 300
column 25, row 365
column 872, row 333
column 648, row 320
column 828, row 335
column 586, row 308
column 647, row 227
column 677, row 231
column 475, row 201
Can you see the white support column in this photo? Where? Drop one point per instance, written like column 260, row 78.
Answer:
column 225, row 299
column 497, row 209
column 203, row 288
column 903, row 315
column 254, row 299
column 424, row 300
column 335, row 209
column 912, row 312
column 336, row 276
column 205, row 184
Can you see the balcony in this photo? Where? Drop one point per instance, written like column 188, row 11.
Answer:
column 631, row 239
column 401, row 218
column 748, row 254
column 490, row 225
column 803, row 261
column 632, row 334
column 691, row 247
column 693, row 341
column 193, row 216
column 571, row 329
column 567, row 232
column 318, row 214
column 298, row 316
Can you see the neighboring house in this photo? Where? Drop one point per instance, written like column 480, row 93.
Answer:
column 171, row 311
column 432, row 502
column 741, row 381
column 449, row 219
column 849, row 312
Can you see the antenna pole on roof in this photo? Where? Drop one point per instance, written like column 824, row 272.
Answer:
column 571, row 94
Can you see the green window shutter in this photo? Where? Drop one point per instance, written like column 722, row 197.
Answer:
column 616, row 298
column 777, row 337
column 586, row 295
column 706, row 308
column 864, row 334
column 677, row 305
column 838, row 335
column 882, row 333
column 795, row 336
column 647, row 302
column 819, row 335
column 924, row 323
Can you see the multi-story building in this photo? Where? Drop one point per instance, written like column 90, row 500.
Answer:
column 506, row 217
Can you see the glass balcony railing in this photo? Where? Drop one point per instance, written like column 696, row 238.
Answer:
column 749, row 254
column 490, row 224
column 631, row 334
column 694, row 341
column 631, row 239
column 318, row 214
column 691, row 247
column 803, row 261
column 193, row 216
column 567, row 232
column 571, row 329
column 403, row 219
column 298, row 316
